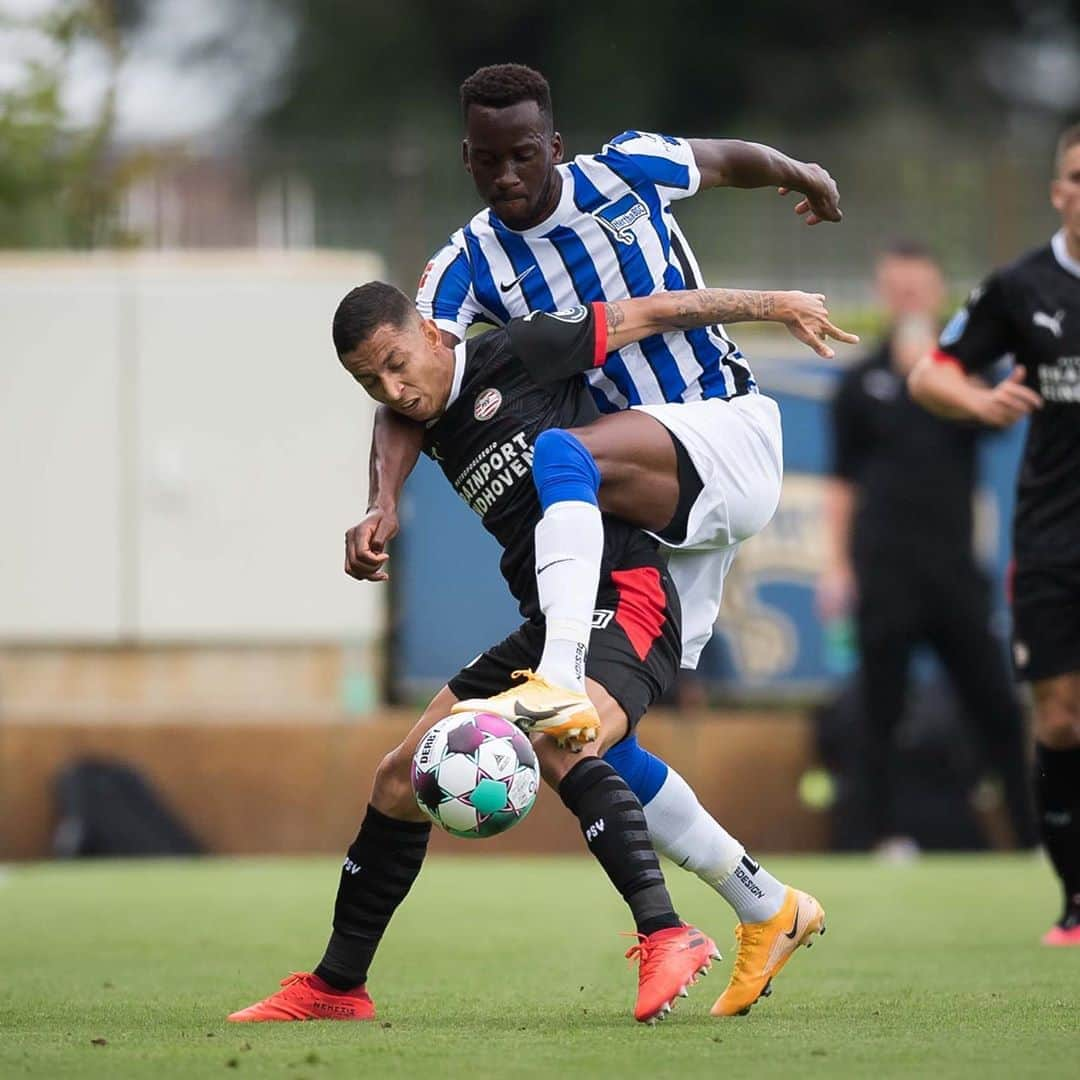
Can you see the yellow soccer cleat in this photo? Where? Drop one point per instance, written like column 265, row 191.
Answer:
column 764, row 948
column 568, row 716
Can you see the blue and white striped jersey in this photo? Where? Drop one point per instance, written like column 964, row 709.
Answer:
column 612, row 236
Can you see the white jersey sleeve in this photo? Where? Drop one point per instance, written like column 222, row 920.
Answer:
column 445, row 292
column 663, row 160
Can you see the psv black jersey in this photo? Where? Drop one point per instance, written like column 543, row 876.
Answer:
column 1031, row 309
column 510, row 385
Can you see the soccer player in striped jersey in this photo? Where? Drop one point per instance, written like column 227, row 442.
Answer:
column 697, row 433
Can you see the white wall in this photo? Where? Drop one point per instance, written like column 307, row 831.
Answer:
column 180, row 453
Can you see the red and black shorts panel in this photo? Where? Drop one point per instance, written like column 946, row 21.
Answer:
column 1046, row 621
column 634, row 650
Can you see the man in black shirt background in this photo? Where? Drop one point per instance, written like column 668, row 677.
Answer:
column 1031, row 311
column 900, row 542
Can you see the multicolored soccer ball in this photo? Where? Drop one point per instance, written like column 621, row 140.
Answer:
column 475, row 774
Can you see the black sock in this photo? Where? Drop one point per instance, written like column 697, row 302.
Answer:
column 613, row 824
column 379, row 870
column 1057, row 795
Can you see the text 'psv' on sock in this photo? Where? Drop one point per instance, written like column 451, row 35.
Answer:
column 380, row 868
column 614, row 828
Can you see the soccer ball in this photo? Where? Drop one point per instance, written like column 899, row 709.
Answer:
column 475, row 774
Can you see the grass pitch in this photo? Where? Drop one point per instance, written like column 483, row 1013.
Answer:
column 513, row 968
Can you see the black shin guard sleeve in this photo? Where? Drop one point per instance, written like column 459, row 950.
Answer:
column 379, row 870
column 613, row 824
column 1057, row 795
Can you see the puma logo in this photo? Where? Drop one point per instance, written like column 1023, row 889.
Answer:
column 1050, row 322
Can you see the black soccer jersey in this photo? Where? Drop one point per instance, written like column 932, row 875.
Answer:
column 1031, row 309
column 510, row 385
column 914, row 473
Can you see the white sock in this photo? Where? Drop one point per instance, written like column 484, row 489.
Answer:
column 569, row 549
column 681, row 829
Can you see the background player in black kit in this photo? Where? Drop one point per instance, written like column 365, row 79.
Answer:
column 902, row 555
column 1031, row 309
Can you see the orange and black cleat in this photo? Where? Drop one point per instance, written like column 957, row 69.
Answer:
column 306, row 997
column 536, row 705
column 764, row 948
column 670, row 961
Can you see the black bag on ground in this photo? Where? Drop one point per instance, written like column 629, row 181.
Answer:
column 107, row 808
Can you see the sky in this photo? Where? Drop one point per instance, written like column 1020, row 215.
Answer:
column 195, row 69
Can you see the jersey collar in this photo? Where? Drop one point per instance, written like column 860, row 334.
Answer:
column 455, row 383
column 562, row 208
column 1061, row 253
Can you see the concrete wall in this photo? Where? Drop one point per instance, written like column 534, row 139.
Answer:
column 180, row 454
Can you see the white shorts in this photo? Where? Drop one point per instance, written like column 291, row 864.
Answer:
column 737, row 448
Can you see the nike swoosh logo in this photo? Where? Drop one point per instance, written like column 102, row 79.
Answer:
column 795, row 927
column 554, row 562
column 506, row 286
column 539, row 714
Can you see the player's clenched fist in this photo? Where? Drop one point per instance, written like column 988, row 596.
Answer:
column 365, row 545
column 822, row 197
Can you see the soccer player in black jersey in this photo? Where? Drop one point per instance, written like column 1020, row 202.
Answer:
column 488, row 406
column 1031, row 310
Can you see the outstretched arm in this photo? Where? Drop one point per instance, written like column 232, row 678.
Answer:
column 395, row 446
column 804, row 315
column 396, row 443
column 734, row 163
column 946, row 390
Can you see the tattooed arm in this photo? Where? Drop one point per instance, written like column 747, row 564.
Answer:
column 804, row 314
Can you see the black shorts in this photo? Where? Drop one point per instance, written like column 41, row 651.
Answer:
column 634, row 650
column 1046, row 621
column 690, row 487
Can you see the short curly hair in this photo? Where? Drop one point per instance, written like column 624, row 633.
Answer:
column 500, row 85
column 366, row 308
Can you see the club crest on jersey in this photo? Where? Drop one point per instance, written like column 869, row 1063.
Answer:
column 619, row 216
column 954, row 328
column 487, row 404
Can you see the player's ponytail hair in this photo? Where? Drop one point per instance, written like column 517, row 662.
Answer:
column 365, row 309
column 500, row 85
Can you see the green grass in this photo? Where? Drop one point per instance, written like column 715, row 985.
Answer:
column 512, row 968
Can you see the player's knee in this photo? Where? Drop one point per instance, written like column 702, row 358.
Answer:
column 555, row 761
column 563, row 469
column 392, row 788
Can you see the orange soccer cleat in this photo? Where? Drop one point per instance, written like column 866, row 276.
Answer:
column 306, row 997
column 765, row 947
column 669, row 962
column 536, row 705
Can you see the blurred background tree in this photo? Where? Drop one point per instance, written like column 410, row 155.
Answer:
column 341, row 121
column 60, row 181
